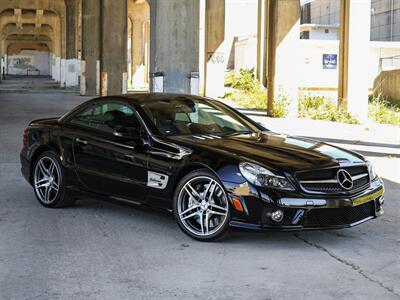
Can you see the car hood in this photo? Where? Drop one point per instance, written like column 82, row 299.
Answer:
column 277, row 151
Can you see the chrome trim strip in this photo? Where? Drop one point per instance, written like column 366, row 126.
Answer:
column 361, row 221
column 125, row 200
column 297, row 202
column 102, row 140
column 356, row 177
column 199, row 137
column 320, row 181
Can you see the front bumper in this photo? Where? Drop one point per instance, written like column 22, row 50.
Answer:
column 301, row 212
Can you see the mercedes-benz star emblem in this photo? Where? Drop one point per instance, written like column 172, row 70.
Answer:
column 344, row 179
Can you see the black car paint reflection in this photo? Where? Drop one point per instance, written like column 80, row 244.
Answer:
column 110, row 166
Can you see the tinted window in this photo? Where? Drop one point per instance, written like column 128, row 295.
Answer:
column 193, row 116
column 107, row 117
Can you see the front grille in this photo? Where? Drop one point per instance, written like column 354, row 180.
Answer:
column 339, row 216
column 325, row 180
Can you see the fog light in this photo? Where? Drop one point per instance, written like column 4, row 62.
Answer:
column 381, row 200
column 277, row 215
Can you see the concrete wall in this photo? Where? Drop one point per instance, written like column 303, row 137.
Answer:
column 319, row 77
column 387, row 85
column 32, row 62
column 72, row 71
column 234, row 12
column 324, row 34
column 244, row 57
column 311, row 64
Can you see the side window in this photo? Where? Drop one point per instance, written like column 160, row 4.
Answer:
column 107, row 117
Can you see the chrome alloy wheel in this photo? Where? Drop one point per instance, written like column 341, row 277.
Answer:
column 202, row 206
column 46, row 179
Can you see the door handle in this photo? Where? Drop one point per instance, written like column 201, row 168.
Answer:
column 83, row 142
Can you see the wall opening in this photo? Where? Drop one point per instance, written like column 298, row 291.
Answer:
column 28, row 59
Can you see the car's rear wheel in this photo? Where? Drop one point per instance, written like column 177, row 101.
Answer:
column 201, row 206
column 48, row 181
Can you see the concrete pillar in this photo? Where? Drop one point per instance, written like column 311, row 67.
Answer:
column 90, row 77
column 282, row 40
column 261, row 41
column 214, row 48
column 354, row 54
column 174, row 39
column 72, row 62
column 56, row 68
column 114, row 22
column 6, row 63
column 130, row 49
column 72, row 24
column 1, row 67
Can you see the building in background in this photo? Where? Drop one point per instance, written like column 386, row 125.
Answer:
column 320, row 20
column 319, row 34
column 385, row 20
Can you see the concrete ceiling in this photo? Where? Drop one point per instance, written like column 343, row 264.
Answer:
column 33, row 20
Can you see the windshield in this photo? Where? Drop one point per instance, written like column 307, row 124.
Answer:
column 185, row 116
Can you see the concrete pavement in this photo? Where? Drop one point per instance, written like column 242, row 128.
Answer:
column 98, row 250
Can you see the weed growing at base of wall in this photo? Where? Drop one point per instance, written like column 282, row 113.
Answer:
column 383, row 111
column 322, row 108
column 247, row 92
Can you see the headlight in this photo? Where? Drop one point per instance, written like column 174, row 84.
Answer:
column 260, row 176
column 371, row 171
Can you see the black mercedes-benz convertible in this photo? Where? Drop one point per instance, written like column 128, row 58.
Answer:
column 211, row 165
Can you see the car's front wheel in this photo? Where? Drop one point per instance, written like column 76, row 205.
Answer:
column 201, row 206
column 48, row 181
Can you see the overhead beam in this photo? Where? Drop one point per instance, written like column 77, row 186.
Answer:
column 39, row 18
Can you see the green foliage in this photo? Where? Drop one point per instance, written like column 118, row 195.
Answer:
column 229, row 78
column 320, row 108
column 383, row 111
column 256, row 100
column 281, row 106
column 246, row 81
column 249, row 93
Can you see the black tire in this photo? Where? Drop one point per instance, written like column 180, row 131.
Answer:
column 222, row 231
column 60, row 198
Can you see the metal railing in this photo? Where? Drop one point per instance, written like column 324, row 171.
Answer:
column 389, row 63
